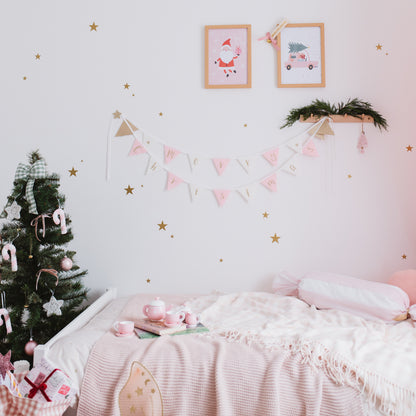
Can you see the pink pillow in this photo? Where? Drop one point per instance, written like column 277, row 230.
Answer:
column 370, row 300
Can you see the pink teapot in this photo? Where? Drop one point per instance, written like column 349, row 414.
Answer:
column 155, row 310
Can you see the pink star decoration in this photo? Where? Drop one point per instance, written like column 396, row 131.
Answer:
column 5, row 364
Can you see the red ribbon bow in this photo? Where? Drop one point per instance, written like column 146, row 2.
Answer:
column 42, row 387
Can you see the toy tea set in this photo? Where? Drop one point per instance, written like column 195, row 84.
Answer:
column 156, row 311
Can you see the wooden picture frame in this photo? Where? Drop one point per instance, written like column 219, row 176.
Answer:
column 301, row 56
column 228, row 56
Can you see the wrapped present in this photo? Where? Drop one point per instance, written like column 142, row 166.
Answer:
column 10, row 382
column 46, row 383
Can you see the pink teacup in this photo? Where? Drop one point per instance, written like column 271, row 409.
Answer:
column 192, row 320
column 124, row 328
column 173, row 319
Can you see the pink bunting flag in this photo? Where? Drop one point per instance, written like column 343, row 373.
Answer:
column 170, row 154
column 272, row 156
column 309, row 149
column 137, row 148
column 220, row 165
column 221, row 195
column 270, row 183
column 173, row 181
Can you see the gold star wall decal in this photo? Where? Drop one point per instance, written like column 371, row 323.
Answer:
column 266, row 214
column 126, row 86
column 245, row 125
column 116, row 114
column 93, row 27
column 162, row 226
column 172, row 236
column 37, row 56
column 148, row 280
column 160, row 114
column 24, row 78
column 349, row 176
column 72, row 172
column 221, row 260
column 275, row 238
column 379, row 47
column 404, row 257
column 129, row 190
column 409, row 148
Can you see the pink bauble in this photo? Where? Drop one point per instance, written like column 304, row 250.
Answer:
column 66, row 264
column 30, row 347
column 406, row 280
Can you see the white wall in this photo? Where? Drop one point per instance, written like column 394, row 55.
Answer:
column 359, row 226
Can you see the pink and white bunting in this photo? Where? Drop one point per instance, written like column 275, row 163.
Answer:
column 173, row 181
column 170, row 154
column 272, row 156
column 153, row 166
column 246, row 163
column 247, row 192
column 309, row 149
column 221, row 195
column 220, row 165
column 137, row 148
column 270, row 183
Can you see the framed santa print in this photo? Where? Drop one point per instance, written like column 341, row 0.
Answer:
column 301, row 56
column 228, row 56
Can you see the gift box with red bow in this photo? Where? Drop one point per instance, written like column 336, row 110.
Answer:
column 46, row 383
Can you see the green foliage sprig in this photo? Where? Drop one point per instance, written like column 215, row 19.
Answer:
column 353, row 107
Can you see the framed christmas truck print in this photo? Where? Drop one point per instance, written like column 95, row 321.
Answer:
column 301, row 56
column 228, row 56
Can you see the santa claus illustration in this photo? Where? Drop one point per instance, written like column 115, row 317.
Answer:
column 227, row 58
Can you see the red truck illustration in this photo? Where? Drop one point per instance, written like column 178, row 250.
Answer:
column 299, row 57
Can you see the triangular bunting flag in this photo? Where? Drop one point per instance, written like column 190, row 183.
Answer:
column 247, row 192
column 272, row 156
column 309, row 148
column 270, row 183
column 153, row 166
column 193, row 161
column 246, row 163
column 220, row 165
column 137, row 148
column 292, row 166
column 296, row 144
column 170, row 154
column 195, row 191
column 321, row 130
column 125, row 130
column 221, row 195
column 173, row 181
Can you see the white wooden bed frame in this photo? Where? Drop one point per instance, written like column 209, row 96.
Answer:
column 80, row 321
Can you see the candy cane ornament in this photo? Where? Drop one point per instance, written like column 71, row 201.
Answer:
column 10, row 248
column 5, row 314
column 59, row 218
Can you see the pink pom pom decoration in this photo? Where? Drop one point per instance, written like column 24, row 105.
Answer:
column 406, row 280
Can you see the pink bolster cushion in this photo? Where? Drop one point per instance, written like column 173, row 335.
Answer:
column 370, row 300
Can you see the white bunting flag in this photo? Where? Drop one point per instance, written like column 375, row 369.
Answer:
column 296, row 143
column 194, row 161
column 246, row 163
column 153, row 166
column 195, row 191
column 292, row 166
column 247, row 192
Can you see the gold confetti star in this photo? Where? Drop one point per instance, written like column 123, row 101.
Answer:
column 172, row 236
column 129, row 396
column 275, row 238
column 148, row 280
column 378, row 46
column 93, row 27
column 24, row 78
column 126, row 86
column 129, row 190
column 37, row 56
column 162, row 226
column 245, row 125
column 265, row 214
column 73, row 172
column 349, row 176
column 221, row 260
column 409, row 148
column 116, row 114
column 160, row 114
column 404, row 257
column 132, row 409
column 139, row 391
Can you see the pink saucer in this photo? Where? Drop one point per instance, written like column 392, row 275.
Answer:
column 175, row 325
column 126, row 335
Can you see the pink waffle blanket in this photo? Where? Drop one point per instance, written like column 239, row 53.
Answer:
column 202, row 374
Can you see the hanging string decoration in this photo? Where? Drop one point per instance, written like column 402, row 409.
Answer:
column 34, row 223
column 302, row 144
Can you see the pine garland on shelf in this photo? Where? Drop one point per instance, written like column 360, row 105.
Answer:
column 353, row 107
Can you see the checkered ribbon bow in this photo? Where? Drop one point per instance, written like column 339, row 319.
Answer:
column 36, row 171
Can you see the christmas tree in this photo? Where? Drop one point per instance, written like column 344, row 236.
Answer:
column 295, row 47
column 40, row 283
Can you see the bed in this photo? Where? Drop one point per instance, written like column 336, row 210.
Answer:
column 265, row 354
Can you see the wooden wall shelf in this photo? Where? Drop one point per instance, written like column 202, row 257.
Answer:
column 336, row 118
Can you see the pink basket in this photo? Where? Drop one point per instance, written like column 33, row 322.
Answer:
column 19, row 406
